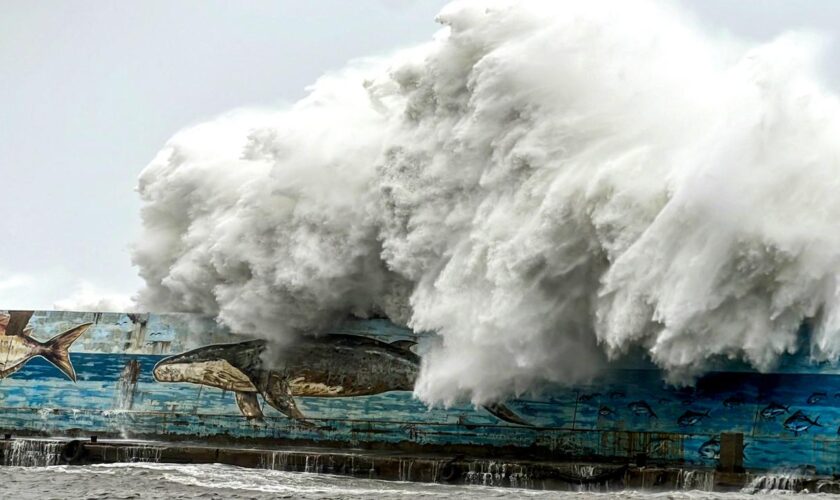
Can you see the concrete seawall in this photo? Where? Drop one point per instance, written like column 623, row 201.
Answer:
column 149, row 377
column 544, row 475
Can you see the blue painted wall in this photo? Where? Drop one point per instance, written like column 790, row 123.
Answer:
column 599, row 420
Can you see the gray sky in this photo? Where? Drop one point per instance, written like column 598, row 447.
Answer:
column 90, row 90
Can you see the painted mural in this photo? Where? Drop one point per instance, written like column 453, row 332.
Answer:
column 17, row 345
column 330, row 366
column 184, row 377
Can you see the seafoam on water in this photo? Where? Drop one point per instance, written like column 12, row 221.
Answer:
column 155, row 481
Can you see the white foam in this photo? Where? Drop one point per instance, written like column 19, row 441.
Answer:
column 546, row 184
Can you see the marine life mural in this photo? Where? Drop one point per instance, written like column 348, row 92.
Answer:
column 816, row 397
column 735, row 400
column 641, row 408
column 799, row 422
column 692, row 417
column 330, row 366
column 171, row 376
column 606, row 411
column 773, row 410
column 17, row 346
column 710, row 449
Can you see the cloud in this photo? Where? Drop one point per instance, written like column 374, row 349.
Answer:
column 88, row 297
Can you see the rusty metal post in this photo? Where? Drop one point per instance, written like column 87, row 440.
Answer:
column 731, row 452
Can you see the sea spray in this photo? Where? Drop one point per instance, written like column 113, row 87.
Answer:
column 545, row 185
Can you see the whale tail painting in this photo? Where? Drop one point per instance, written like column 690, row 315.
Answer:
column 328, row 366
column 57, row 350
column 17, row 346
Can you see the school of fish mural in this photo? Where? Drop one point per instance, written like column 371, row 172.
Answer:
column 182, row 377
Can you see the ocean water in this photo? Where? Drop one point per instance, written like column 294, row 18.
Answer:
column 171, row 481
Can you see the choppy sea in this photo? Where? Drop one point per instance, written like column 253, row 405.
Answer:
column 168, row 481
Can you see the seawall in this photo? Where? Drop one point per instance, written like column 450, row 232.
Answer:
column 182, row 379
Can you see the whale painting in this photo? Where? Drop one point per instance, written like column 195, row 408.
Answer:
column 328, row 366
column 17, row 345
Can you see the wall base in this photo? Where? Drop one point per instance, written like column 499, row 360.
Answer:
column 574, row 476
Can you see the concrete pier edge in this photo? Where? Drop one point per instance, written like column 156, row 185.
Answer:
column 398, row 466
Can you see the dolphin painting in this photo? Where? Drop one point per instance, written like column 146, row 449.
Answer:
column 17, row 345
column 329, row 366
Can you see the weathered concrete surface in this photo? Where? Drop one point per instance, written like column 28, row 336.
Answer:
column 405, row 466
column 731, row 452
column 544, row 445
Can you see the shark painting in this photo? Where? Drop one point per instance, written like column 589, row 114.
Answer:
column 328, row 366
column 17, row 345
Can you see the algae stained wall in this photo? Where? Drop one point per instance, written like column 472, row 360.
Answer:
column 352, row 388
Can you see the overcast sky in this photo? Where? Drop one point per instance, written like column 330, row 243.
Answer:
column 90, row 90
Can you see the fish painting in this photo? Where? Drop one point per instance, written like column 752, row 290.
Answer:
column 17, row 346
column 773, row 410
column 329, row 366
column 641, row 408
column 816, row 397
column 588, row 397
column 691, row 417
column 606, row 411
column 710, row 450
column 799, row 423
column 734, row 400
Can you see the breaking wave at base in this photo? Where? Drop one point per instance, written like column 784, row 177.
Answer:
column 545, row 185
